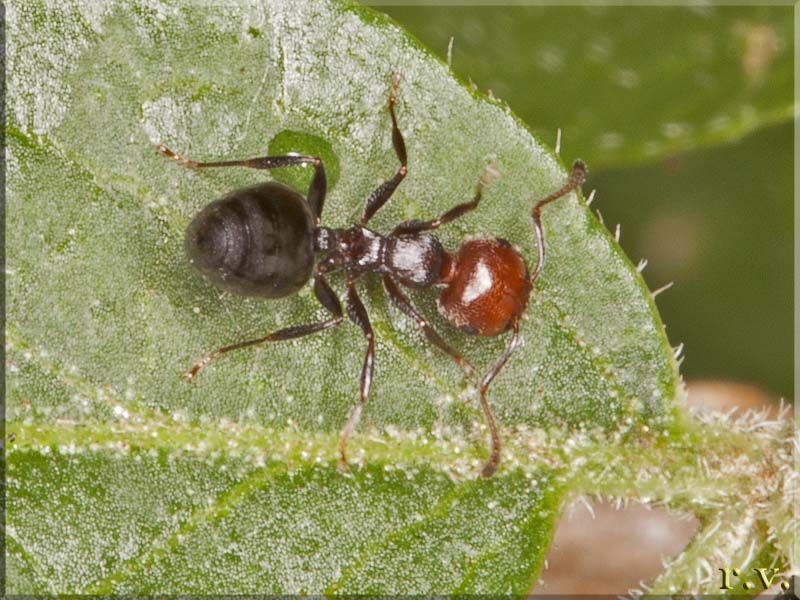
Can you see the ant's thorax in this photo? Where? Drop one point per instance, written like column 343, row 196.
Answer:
column 415, row 259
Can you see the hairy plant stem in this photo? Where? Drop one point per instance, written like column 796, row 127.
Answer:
column 736, row 475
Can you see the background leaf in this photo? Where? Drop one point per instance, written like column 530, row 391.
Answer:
column 718, row 222
column 124, row 478
column 625, row 84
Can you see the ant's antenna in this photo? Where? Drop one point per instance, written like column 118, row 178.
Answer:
column 576, row 178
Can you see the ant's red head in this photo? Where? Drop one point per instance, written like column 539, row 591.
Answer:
column 488, row 287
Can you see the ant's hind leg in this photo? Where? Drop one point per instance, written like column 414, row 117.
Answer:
column 404, row 304
column 325, row 296
column 383, row 192
column 494, row 458
column 316, row 191
column 454, row 213
column 358, row 314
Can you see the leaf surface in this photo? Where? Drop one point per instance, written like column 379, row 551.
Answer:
column 124, row 478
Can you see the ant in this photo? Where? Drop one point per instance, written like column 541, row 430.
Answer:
column 264, row 241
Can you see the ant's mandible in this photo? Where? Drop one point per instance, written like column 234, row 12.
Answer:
column 263, row 241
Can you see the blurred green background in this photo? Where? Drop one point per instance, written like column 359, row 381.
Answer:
column 685, row 117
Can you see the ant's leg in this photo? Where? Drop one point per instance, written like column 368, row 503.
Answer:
column 576, row 178
column 494, row 458
column 316, row 191
column 379, row 197
column 358, row 314
column 454, row 213
column 404, row 304
column 326, row 297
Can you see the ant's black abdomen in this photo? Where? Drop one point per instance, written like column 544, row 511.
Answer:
column 256, row 241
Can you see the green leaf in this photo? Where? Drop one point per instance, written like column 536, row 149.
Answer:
column 623, row 83
column 122, row 477
column 719, row 223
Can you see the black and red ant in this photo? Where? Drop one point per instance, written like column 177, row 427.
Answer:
column 263, row 241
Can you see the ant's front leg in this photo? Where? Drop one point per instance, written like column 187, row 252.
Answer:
column 402, row 302
column 454, row 213
column 494, row 458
